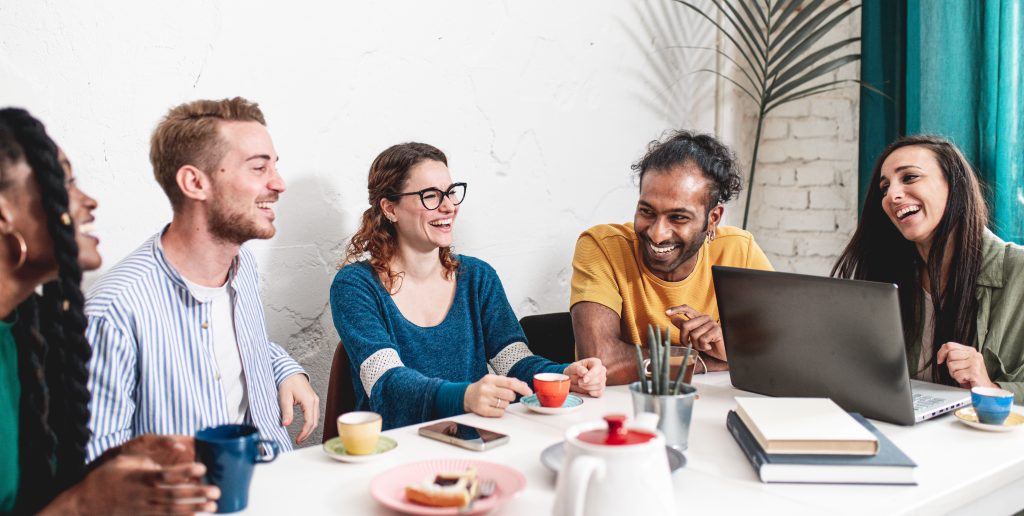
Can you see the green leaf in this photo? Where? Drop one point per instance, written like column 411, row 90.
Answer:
column 761, row 15
column 762, row 27
column 797, row 20
column 809, row 61
column 783, row 58
column 820, row 88
column 728, row 36
column 814, row 73
column 757, row 100
column 790, row 8
column 754, row 85
column 748, row 35
column 802, row 35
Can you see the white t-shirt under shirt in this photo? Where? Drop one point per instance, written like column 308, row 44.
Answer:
column 225, row 347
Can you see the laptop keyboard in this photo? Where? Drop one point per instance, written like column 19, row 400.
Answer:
column 922, row 402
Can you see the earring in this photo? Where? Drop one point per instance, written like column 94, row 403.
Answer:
column 22, row 248
column 711, row 235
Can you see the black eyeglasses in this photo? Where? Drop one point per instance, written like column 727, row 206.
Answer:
column 433, row 197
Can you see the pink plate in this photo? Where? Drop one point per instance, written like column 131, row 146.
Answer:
column 388, row 488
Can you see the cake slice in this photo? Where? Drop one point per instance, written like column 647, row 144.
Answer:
column 445, row 489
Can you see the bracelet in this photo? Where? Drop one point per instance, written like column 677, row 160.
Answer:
column 702, row 363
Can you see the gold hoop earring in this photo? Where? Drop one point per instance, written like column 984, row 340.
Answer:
column 22, row 248
column 711, row 235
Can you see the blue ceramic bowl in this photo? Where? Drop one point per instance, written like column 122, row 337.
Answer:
column 991, row 404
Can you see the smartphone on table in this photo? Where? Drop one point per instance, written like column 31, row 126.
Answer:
column 466, row 436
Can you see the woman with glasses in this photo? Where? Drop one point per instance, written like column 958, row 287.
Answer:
column 421, row 325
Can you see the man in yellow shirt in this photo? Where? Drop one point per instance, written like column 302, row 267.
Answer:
column 657, row 270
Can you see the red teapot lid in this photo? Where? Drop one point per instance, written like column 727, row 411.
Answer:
column 616, row 434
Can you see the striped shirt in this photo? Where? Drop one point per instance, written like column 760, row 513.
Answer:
column 153, row 369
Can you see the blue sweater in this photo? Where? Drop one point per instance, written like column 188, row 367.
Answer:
column 410, row 374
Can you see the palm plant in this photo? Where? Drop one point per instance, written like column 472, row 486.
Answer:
column 774, row 40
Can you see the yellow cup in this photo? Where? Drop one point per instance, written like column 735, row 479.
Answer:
column 359, row 432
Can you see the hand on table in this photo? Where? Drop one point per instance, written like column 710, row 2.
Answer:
column 965, row 364
column 588, row 376
column 491, row 395
column 295, row 390
column 698, row 328
column 133, row 484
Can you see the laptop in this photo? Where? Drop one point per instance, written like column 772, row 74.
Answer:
column 811, row 336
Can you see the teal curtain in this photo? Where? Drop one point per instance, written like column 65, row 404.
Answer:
column 953, row 68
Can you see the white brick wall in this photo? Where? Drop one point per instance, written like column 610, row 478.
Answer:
column 804, row 205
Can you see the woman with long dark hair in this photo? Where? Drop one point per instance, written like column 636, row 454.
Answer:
column 46, row 240
column 422, row 325
column 961, row 288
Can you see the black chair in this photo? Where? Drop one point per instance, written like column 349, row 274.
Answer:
column 341, row 394
column 551, row 336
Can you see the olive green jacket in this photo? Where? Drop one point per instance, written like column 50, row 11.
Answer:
column 1000, row 293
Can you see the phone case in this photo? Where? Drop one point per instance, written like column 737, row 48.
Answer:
column 500, row 439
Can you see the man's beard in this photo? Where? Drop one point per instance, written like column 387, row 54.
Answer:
column 688, row 249
column 235, row 228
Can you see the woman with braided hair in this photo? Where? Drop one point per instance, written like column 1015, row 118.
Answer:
column 45, row 240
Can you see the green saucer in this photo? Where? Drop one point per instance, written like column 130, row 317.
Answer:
column 336, row 450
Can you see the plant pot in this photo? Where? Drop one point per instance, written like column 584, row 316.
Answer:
column 674, row 412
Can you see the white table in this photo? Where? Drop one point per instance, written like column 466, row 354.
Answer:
column 961, row 470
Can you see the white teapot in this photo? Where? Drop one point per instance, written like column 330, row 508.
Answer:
column 614, row 469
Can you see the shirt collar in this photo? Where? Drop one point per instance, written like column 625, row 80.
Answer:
column 173, row 275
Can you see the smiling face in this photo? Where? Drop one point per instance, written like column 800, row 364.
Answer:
column 81, row 206
column 23, row 206
column 417, row 227
column 914, row 193
column 245, row 185
column 671, row 219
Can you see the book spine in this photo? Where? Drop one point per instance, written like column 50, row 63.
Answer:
column 750, row 448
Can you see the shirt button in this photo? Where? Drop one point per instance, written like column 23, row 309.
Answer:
column 206, row 325
column 217, row 377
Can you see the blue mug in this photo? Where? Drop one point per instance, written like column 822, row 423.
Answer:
column 229, row 453
column 992, row 405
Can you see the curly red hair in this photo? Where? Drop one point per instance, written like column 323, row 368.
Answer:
column 376, row 236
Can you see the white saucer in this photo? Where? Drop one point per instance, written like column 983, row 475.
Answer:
column 552, row 456
column 336, row 450
column 572, row 403
column 969, row 417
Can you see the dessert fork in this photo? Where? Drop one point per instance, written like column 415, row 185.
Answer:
column 484, row 489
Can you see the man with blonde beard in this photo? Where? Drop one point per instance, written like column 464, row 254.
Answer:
column 177, row 328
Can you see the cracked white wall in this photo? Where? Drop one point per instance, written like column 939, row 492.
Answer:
column 541, row 106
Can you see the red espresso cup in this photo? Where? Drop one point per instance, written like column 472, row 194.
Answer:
column 551, row 388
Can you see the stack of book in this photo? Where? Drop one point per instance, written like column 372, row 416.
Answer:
column 813, row 440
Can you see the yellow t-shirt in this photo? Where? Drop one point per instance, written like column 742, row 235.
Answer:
column 607, row 268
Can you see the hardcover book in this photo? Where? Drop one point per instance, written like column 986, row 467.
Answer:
column 804, row 426
column 889, row 466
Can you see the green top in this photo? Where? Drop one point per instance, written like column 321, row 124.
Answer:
column 1000, row 293
column 10, row 397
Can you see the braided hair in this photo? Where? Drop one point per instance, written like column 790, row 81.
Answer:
column 53, row 354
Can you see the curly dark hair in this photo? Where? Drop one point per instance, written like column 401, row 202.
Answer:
column 53, row 354
column 711, row 156
column 376, row 236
